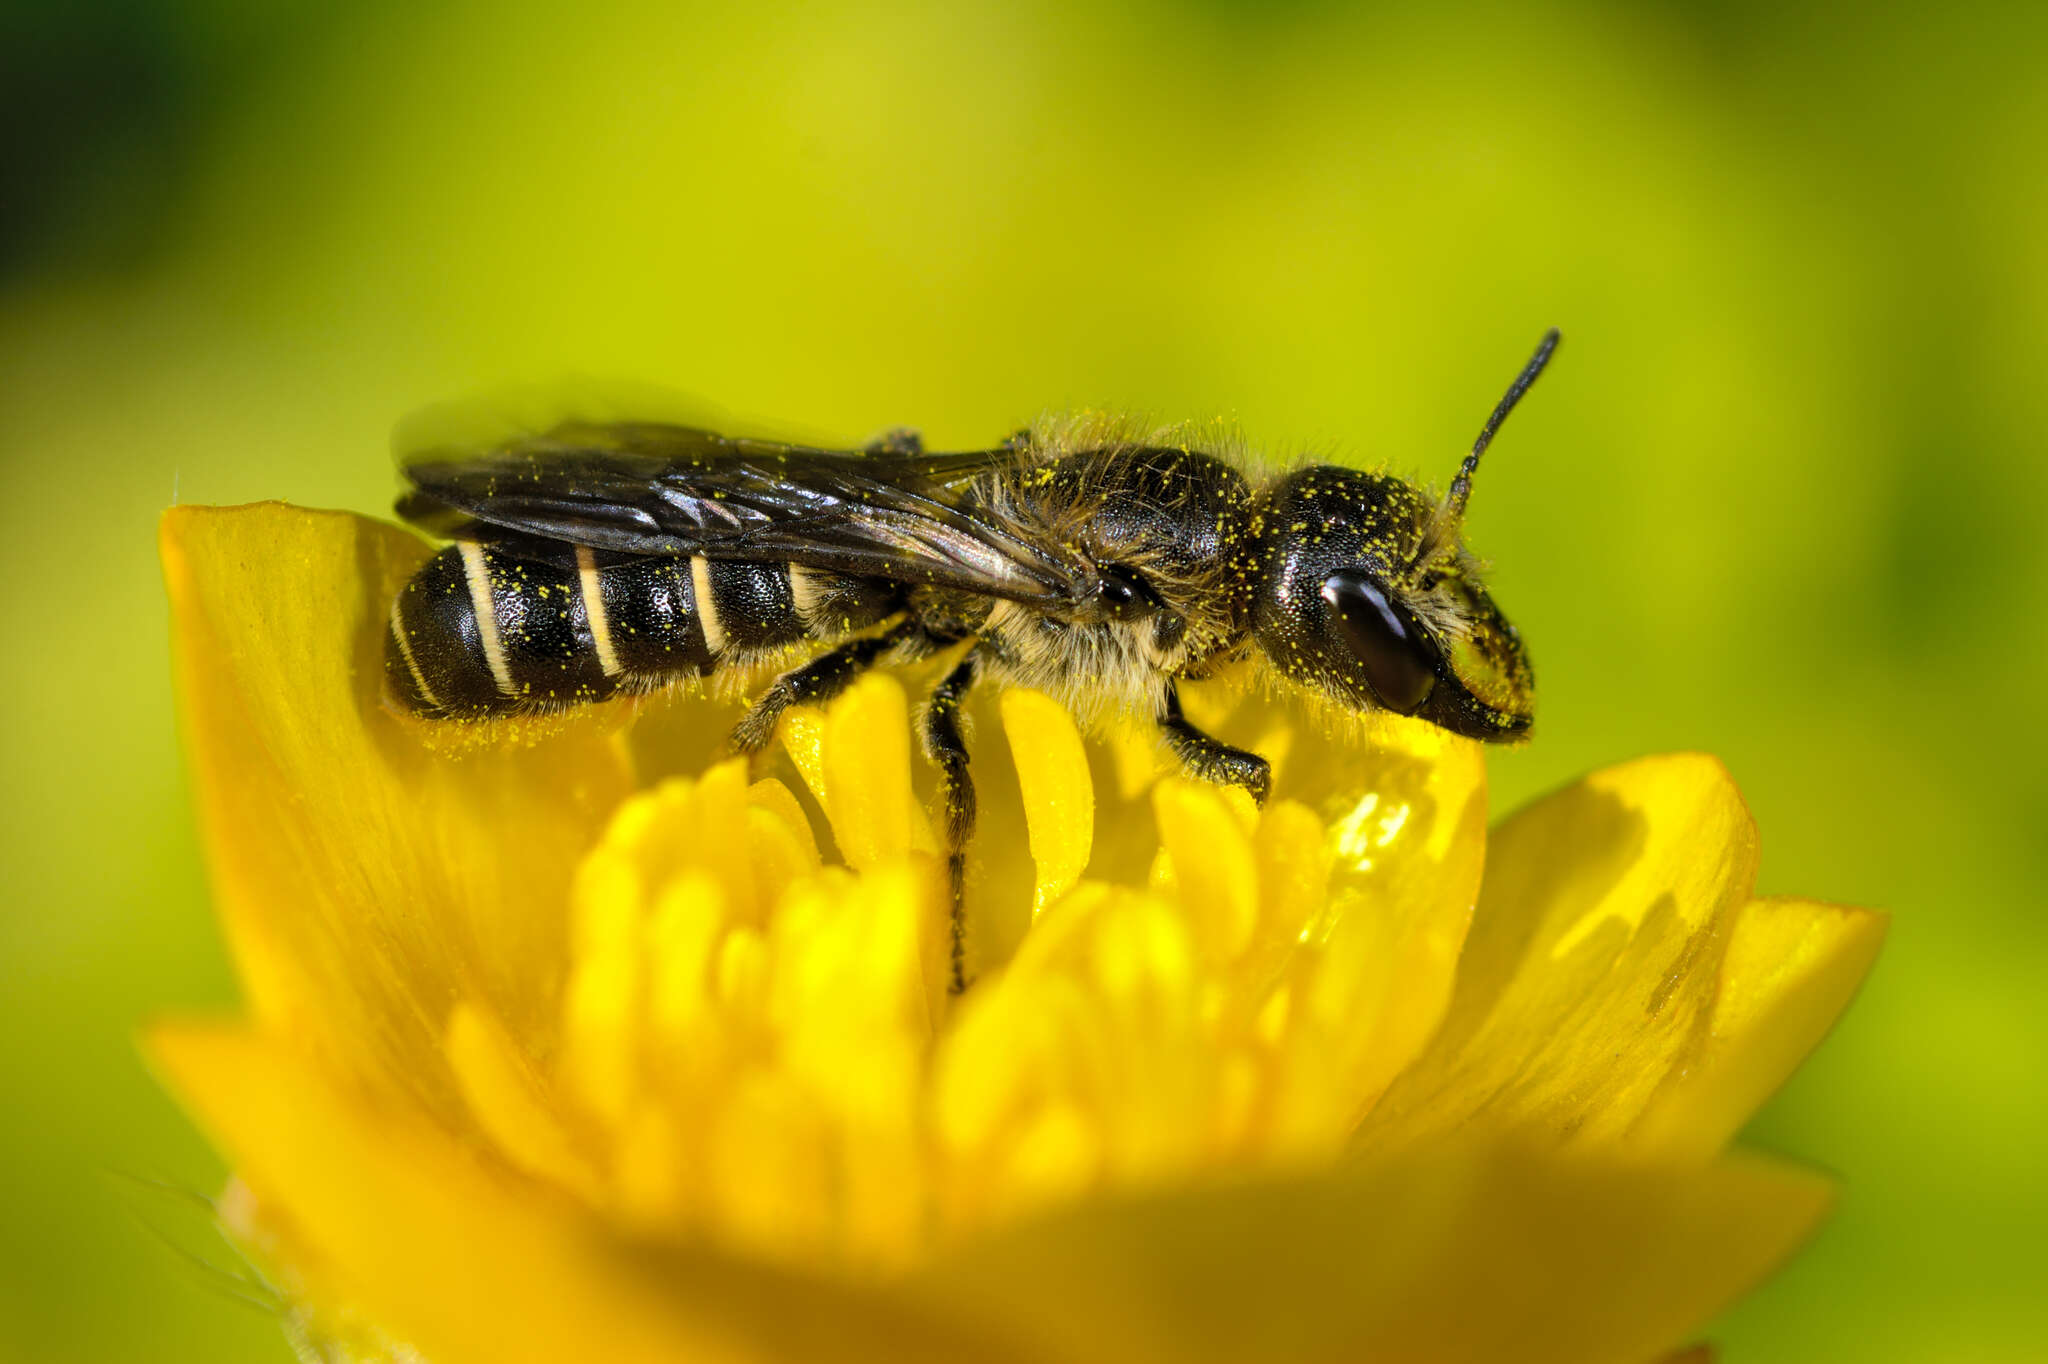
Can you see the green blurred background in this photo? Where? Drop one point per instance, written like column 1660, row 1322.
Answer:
column 1783, row 497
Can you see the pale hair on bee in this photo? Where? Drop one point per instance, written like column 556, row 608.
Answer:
column 1100, row 559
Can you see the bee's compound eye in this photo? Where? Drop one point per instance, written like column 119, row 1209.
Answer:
column 1124, row 593
column 1389, row 649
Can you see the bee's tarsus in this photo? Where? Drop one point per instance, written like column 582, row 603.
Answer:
column 946, row 746
column 1210, row 758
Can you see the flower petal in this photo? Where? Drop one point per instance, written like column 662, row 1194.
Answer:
column 366, row 883
column 1791, row 967
column 1375, row 979
column 395, row 1219
column 1450, row 1254
column 1594, row 958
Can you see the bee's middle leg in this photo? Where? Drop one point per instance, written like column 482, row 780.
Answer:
column 945, row 746
column 1210, row 758
column 817, row 681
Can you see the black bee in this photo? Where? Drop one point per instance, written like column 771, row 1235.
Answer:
column 601, row 559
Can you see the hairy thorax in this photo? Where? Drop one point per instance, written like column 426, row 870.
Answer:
column 1173, row 527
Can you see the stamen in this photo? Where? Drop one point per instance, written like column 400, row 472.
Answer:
column 1212, row 865
column 509, row 1102
column 1059, row 795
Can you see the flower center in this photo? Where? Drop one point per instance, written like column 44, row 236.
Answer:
column 757, row 1046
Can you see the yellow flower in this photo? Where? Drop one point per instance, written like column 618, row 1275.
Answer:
column 548, row 1062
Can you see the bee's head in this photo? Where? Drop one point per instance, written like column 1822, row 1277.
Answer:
column 1367, row 595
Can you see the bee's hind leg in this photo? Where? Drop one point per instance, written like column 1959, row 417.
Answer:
column 817, row 681
column 1209, row 758
column 946, row 747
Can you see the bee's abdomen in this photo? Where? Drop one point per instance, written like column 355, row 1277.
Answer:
column 480, row 632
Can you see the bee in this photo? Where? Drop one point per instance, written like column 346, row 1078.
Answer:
column 603, row 559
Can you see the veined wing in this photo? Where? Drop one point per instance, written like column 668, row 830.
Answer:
column 651, row 488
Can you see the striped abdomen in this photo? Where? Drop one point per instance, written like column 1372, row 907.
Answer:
column 481, row 632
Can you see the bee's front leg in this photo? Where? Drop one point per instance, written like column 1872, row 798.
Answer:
column 1209, row 758
column 947, row 747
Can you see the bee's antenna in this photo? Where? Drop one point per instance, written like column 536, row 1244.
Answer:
column 1461, row 486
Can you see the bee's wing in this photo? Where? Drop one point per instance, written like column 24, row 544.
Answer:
column 647, row 488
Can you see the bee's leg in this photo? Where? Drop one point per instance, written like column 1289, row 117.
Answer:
column 945, row 746
column 1212, row 759
column 819, row 680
